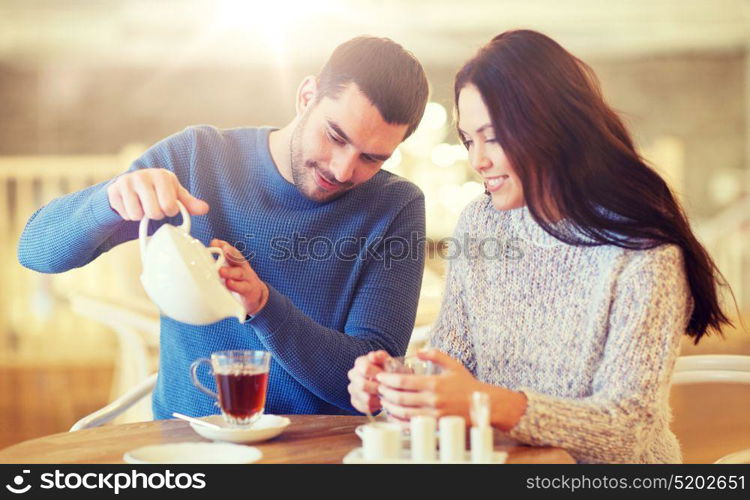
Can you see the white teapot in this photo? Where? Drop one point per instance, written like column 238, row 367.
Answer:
column 181, row 276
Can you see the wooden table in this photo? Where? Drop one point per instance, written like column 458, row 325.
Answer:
column 318, row 439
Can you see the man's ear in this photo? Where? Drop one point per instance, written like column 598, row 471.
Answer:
column 306, row 93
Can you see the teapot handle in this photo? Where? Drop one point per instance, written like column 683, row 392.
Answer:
column 143, row 236
column 220, row 254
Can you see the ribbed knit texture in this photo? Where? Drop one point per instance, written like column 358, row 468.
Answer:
column 322, row 312
column 589, row 334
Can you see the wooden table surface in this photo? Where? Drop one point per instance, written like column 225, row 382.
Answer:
column 318, row 439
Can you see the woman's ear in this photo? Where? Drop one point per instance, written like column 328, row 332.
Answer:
column 306, row 93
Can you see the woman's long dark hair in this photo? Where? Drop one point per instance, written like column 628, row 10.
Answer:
column 575, row 159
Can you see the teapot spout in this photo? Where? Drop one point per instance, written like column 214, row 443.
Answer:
column 238, row 309
column 241, row 315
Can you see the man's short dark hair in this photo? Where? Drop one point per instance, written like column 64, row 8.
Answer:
column 390, row 77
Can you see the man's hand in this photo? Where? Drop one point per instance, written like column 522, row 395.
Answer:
column 241, row 278
column 152, row 192
column 363, row 388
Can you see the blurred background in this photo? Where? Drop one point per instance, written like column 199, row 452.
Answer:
column 86, row 86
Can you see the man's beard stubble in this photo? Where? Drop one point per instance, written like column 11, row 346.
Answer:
column 295, row 155
column 302, row 171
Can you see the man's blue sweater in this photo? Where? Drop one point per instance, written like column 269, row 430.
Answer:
column 344, row 276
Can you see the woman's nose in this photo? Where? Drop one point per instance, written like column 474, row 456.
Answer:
column 479, row 159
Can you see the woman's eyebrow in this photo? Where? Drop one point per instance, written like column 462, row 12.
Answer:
column 479, row 130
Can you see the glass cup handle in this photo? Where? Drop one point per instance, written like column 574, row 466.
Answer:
column 194, row 375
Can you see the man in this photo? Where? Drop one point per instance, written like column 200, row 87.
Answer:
column 307, row 205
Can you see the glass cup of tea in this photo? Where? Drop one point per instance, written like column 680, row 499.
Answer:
column 241, row 383
column 410, row 365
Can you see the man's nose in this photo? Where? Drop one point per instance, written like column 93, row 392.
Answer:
column 343, row 166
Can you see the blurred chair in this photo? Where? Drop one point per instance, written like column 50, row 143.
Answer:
column 715, row 369
column 705, row 368
column 419, row 338
column 137, row 395
column 740, row 457
column 136, row 324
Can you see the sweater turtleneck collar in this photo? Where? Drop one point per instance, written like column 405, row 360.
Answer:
column 528, row 229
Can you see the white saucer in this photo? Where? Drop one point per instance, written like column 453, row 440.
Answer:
column 405, row 435
column 267, row 427
column 193, row 453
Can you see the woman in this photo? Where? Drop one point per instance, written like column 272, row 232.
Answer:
column 578, row 278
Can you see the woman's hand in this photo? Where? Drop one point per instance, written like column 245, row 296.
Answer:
column 363, row 388
column 405, row 396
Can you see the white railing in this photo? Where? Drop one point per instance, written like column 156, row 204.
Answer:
column 35, row 320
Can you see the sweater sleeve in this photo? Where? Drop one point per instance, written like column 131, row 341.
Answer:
column 451, row 333
column 75, row 229
column 381, row 316
column 648, row 316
